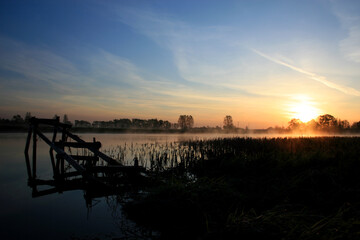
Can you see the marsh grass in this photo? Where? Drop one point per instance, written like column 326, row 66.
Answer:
column 278, row 188
column 156, row 157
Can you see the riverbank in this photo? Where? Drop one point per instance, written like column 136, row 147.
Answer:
column 284, row 188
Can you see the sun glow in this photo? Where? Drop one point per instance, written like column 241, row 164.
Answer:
column 303, row 109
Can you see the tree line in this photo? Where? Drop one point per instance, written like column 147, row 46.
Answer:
column 185, row 122
column 324, row 122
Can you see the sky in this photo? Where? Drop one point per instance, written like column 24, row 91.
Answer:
column 262, row 62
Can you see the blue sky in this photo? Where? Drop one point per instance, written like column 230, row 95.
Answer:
column 263, row 62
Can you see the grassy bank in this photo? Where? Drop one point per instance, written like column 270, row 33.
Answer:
column 295, row 188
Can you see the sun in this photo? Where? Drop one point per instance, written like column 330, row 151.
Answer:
column 303, row 109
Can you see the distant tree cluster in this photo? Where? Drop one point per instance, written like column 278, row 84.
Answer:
column 228, row 122
column 127, row 123
column 186, row 122
column 116, row 123
column 82, row 124
column 17, row 119
column 324, row 122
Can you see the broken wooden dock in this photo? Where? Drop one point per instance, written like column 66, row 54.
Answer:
column 75, row 171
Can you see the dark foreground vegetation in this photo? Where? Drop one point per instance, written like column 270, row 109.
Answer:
column 244, row 188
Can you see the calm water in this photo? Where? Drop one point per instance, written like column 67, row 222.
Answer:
column 58, row 216
column 65, row 215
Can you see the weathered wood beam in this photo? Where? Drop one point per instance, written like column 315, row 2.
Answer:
column 71, row 174
column 27, row 159
column 123, row 169
column 58, row 150
column 106, row 158
column 85, row 158
column 93, row 145
column 52, row 122
column 34, row 151
column 51, row 152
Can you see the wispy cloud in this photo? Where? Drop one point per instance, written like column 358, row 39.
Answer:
column 201, row 54
column 313, row 76
column 349, row 17
column 103, row 83
column 350, row 46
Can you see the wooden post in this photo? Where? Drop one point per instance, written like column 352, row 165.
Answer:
column 28, row 167
column 62, row 166
column 34, row 150
column 57, row 166
column 94, row 162
column 52, row 153
column 63, row 139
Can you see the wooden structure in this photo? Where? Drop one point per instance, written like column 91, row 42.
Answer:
column 72, row 172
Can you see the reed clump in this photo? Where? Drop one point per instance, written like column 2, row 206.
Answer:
column 245, row 188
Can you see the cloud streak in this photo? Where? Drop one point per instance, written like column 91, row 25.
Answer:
column 105, row 83
column 313, row 76
column 350, row 20
column 201, row 54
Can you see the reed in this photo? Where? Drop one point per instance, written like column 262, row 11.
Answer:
column 270, row 188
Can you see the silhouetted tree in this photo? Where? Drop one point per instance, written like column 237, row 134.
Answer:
column 312, row 125
column 295, row 124
column 228, row 122
column 327, row 121
column 190, row 121
column 82, row 123
column 153, row 123
column 122, row 123
column 355, row 125
column 166, row 125
column 66, row 119
column 27, row 117
column 17, row 119
column 344, row 124
column 138, row 123
column 185, row 121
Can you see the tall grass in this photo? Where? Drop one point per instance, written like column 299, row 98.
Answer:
column 278, row 188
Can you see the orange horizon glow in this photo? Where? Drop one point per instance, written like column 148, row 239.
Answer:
column 304, row 109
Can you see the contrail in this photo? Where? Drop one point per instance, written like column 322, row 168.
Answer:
column 313, row 76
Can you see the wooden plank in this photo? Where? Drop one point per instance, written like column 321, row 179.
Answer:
column 124, row 169
column 92, row 145
column 68, row 185
column 52, row 122
column 34, row 151
column 85, row 158
column 27, row 159
column 52, row 154
column 71, row 174
column 106, row 158
column 69, row 159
